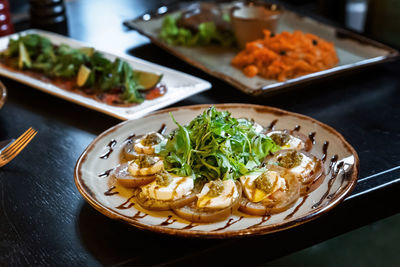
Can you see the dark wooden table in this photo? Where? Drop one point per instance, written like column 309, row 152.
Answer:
column 45, row 221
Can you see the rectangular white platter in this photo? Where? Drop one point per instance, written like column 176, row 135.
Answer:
column 179, row 85
column 353, row 50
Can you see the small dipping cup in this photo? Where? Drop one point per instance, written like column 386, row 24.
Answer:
column 251, row 19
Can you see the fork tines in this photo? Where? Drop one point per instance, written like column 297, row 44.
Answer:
column 16, row 147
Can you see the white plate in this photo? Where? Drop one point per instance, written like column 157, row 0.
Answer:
column 92, row 181
column 179, row 85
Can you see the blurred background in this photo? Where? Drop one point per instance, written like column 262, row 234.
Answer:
column 378, row 19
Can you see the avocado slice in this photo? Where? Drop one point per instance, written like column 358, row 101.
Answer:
column 24, row 59
column 147, row 80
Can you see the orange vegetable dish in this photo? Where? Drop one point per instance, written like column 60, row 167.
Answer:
column 285, row 55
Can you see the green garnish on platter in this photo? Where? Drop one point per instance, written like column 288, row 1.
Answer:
column 215, row 145
column 206, row 34
column 90, row 68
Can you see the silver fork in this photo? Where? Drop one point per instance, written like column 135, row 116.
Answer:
column 16, row 147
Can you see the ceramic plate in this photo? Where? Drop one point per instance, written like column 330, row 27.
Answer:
column 179, row 85
column 103, row 154
column 3, row 94
column 354, row 51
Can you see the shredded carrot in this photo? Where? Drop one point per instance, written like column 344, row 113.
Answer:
column 286, row 55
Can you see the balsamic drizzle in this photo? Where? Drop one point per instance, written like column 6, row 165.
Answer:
column 105, row 173
column 130, row 137
column 331, row 181
column 167, row 221
column 271, row 126
column 325, row 151
column 138, row 215
column 263, row 220
column 297, row 208
column 189, row 226
column 109, row 191
column 162, row 129
column 297, row 128
column 110, row 147
column 123, row 206
column 345, row 175
column 228, row 223
column 332, row 163
column 311, row 136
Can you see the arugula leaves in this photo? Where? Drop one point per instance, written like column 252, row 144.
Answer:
column 207, row 33
column 216, row 145
column 38, row 53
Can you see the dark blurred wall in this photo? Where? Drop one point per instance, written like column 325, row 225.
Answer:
column 17, row 5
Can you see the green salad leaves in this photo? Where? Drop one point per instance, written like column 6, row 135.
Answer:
column 35, row 52
column 216, row 145
column 206, row 34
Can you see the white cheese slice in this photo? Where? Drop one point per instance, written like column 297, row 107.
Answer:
column 293, row 143
column 178, row 188
column 225, row 199
column 306, row 165
column 150, row 149
column 135, row 170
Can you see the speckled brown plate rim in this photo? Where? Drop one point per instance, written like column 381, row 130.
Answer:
column 340, row 32
column 3, row 94
column 89, row 196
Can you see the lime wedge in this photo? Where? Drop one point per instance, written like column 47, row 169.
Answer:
column 24, row 58
column 147, row 80
column 83, row 75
